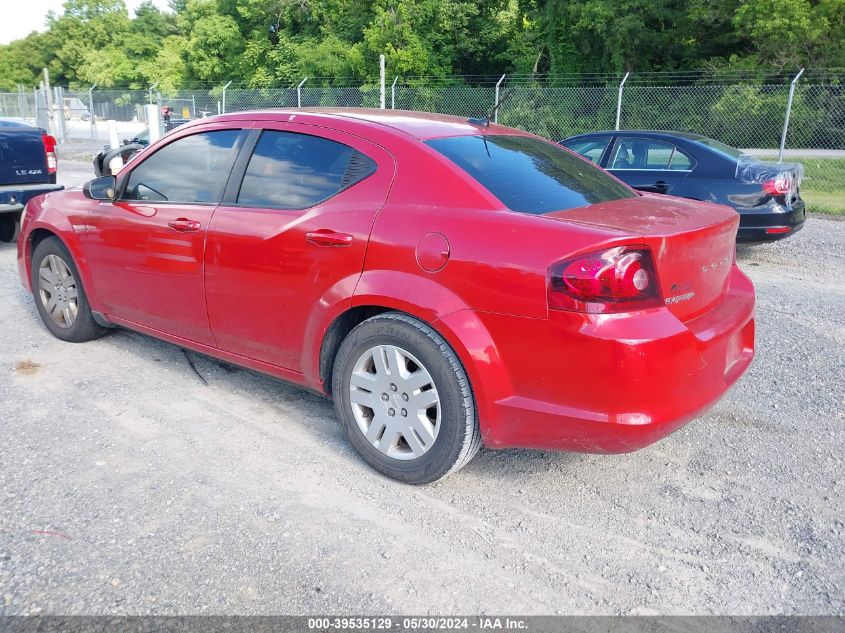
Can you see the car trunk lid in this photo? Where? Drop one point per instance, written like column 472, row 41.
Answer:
column 780, row 180
column 693, row 244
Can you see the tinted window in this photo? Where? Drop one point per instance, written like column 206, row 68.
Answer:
column 680, row 161
column 641, row 154
column 592, row 148
column 296, row 171
column 191, row 169
column 530, row 175
column 725, row 150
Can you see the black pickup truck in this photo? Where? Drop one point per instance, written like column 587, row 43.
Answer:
column 28, row 164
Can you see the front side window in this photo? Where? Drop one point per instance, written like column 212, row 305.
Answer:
column 191, row 169
column 296, row 171
column 590, row 148
column 530, row 175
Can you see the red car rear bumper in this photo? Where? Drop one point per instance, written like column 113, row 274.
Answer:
column 611, row 383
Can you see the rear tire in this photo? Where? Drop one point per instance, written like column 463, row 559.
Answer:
column 59, row 295
column 10, row 226
column 404, row 399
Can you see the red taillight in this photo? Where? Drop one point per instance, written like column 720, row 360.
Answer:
column 778, row 186
column 50, row 150
column 774, row 230
column 615, row 280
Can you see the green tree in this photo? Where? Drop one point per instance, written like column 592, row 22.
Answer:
column 266, row 43
column 21, row 61
column 783, row 32
column 85, row 28
column 213, row 42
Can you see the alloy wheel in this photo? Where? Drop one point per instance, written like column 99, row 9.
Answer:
column 58, row 291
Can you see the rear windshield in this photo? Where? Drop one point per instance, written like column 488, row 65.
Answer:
column 725, row 150
column 530, row 175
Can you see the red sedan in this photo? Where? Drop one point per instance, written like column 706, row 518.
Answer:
column 448, row 283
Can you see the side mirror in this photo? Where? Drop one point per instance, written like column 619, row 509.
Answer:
column 104, row 188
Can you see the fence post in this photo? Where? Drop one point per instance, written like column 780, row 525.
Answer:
column 619, row 100
column 49, row 96
column 22, row 101
column 381, row 80
column 150, row 90
column 393, row 93
column 788, row 112
column 496, row 99
column 58, row 114
column 91, row 115
column 63, row 120
column 61, row 123
column 223, row 100
column 299, row 92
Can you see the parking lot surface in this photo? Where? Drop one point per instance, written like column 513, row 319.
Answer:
column 127, row 485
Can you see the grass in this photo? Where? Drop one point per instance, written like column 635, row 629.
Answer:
column 823, row 188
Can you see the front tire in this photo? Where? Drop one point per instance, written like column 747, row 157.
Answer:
column 59, row 295
column 404, row 399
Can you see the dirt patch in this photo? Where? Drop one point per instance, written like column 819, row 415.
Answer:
column 27, row 367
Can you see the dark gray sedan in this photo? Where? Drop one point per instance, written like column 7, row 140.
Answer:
column 766, row 195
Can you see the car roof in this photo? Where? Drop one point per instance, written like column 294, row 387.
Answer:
column 666, row 134
column 9, row 122
column 421, row 125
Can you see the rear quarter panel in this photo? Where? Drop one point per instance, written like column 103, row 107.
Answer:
column 497, row 264
column 497, row 259
column 713, row 178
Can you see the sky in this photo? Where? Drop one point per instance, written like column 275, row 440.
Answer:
column 21, row 18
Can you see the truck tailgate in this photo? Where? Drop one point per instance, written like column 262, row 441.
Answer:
column 23, row 159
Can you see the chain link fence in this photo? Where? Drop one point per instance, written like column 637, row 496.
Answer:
column 745, row 113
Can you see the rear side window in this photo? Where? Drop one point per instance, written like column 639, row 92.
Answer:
column 288, row 170
column 641, row 154
column 652, row 155
column 680, row 161
column 530, row 175
column 191, row 169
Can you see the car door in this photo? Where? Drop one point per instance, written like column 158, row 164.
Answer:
column 648, row 164
column 145, row 250
column 291, row 236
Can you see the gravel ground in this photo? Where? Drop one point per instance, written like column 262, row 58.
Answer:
column 127, row 486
